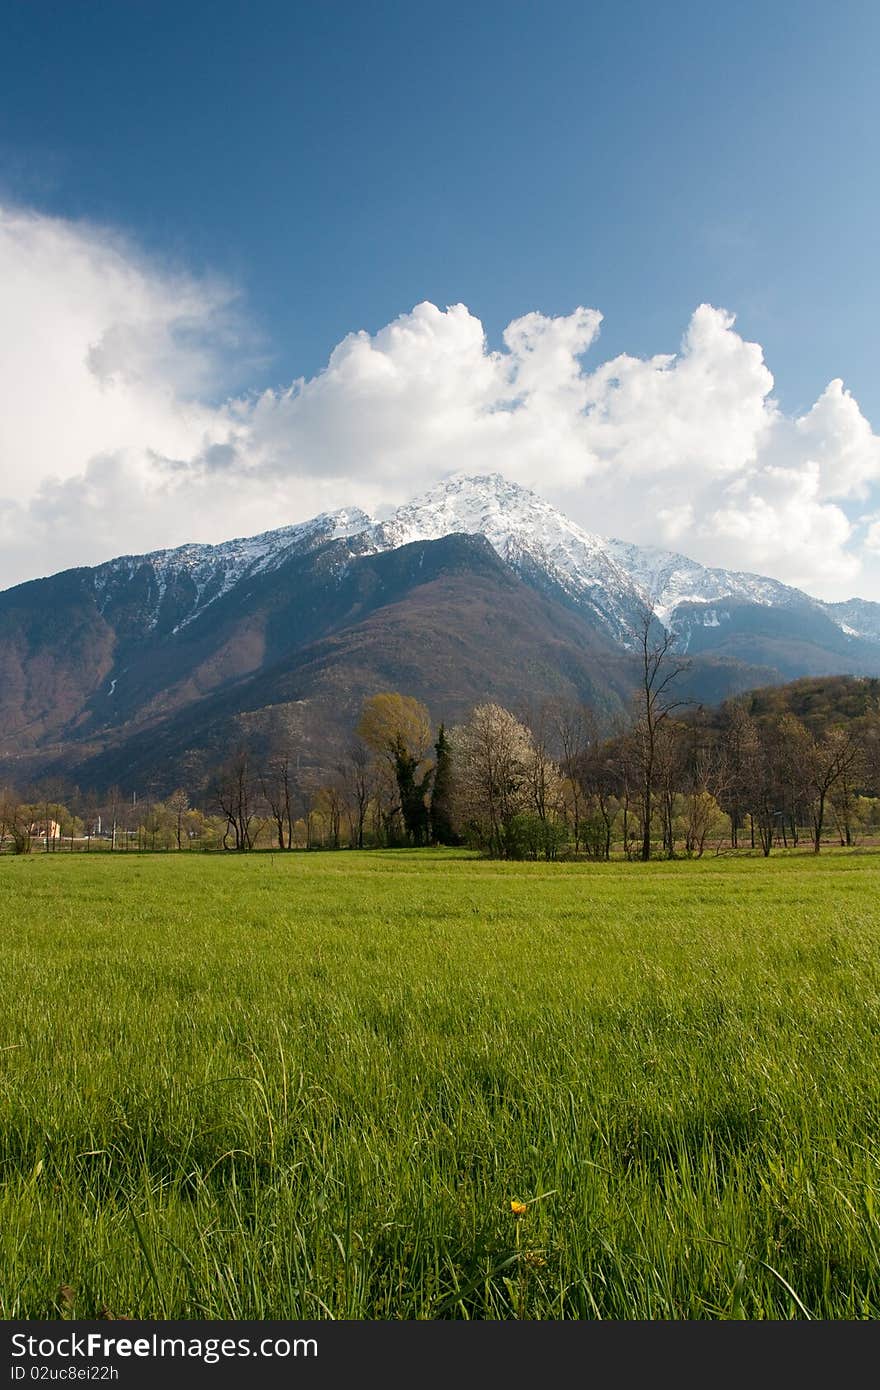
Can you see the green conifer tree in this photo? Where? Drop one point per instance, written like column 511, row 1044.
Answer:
column 442, row 831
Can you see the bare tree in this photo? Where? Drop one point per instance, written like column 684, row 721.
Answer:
column 231, row 791
column 769, row 753
column 834, row 758
column 8, row 807
column 149, row 823
column 359, row 776
column 603, row 774
column 702, row 773
column 277, row 785
column 739, row 740
column 659, row 669
column 544, row 781
column 178, row 805
column 329, row 805
column 115, row 803
column 574, row 733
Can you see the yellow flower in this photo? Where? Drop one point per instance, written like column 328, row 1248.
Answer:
column 518, row 1208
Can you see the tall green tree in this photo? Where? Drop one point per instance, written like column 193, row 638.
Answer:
column 413, row 791
column 442, row 830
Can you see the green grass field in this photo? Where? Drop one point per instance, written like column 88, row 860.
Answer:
column 311, row 1086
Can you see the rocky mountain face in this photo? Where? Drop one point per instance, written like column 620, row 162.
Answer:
column 146, row 667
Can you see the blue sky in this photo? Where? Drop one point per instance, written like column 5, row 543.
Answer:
column 338, row 164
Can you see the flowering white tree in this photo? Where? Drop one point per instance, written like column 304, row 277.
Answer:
column 500, row 776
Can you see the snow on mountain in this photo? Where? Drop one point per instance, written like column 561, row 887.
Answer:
column 534, row 538
column 667, row 579
column 616, row 579
column 613, row 579
column 212, row 570
column 858, row 617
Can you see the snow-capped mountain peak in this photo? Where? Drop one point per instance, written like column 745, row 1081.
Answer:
column 617, row 580
column 613, row 580
column 538, row 541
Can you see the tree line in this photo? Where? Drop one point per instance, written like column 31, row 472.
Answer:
column 669, row 779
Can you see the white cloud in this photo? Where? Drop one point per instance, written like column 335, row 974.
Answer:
column 109, row 441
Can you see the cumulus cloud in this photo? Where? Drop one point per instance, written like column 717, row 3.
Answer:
column 117, row 435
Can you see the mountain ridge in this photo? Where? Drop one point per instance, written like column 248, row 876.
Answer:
column 616, row 578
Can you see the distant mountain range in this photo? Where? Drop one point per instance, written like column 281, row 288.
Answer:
column 145, row 670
